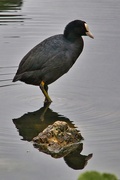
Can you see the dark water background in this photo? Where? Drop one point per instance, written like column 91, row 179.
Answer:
column 88, row 95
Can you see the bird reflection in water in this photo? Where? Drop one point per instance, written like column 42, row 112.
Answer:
column 31, row 124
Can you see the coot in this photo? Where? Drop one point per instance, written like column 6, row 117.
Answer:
column 53, row 57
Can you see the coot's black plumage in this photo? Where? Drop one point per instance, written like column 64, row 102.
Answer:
column 53, row 57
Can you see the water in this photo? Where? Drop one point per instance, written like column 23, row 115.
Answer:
column 88, row 96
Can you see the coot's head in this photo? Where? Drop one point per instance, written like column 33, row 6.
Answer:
column 76, row 29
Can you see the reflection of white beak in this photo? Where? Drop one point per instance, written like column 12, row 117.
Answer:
column 88, row 33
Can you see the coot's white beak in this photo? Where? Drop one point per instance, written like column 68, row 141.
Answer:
column 88, row 33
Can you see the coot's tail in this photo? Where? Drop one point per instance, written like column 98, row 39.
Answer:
column 16, row 78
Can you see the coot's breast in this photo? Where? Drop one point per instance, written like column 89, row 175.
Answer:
column 60, row 64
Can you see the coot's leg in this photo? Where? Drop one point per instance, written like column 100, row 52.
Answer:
column 44, row 89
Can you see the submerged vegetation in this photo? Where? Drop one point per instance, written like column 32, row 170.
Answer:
column 94, row 175
column 10, row 4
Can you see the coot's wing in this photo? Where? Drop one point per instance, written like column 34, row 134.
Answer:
column 49, row 60
column 40, row 54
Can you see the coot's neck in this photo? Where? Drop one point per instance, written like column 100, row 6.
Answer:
column 71, row 36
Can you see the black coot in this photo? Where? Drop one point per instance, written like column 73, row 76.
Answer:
column 53, row 57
